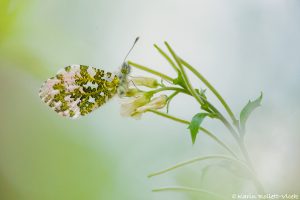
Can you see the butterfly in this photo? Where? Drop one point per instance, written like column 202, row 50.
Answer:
column 77, row 90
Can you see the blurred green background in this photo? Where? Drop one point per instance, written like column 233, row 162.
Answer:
column 242, row 47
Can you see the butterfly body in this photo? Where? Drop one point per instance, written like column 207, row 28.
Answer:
column 123, row 76
column 77, row 90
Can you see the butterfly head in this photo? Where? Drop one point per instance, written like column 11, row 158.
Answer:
column 125, row 69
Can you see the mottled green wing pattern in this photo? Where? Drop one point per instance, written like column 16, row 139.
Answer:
column 77, row 90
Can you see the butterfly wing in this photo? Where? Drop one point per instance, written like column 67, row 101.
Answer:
column 77, row 90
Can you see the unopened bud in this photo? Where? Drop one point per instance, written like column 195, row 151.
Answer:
column 145, row 81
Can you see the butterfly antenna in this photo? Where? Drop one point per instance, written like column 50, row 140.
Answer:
column 135, row 41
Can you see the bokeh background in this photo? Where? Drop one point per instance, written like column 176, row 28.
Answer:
column 242, row 47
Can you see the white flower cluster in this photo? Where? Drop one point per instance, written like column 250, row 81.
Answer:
column 138, row 102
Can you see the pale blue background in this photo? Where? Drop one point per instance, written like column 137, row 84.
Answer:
column 242, row 47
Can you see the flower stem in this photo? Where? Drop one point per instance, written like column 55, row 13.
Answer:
column 187, row 88
column 216, row 93
column 170, row 99
column 173, row 95
column 184, row 76
column 211, row 135
column 256, row 181
column 177, row 89
column 223, row 120
column 197, row 97
column 201, row 158
column 187, row 189
column 229, row 127
column 151, row 71
column 167, row 58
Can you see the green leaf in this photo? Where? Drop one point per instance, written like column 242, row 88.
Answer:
column 247, row 110
column 195, row 123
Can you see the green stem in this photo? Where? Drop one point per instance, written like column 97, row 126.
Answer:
column 196, row 96
column 223, row 120
column 184, row 76
column 216, row 93
column 173, row 95
column 167, row 58
column 170, row 99
column 218, row 141
column 256, row 181
column 167, row 88
column 169, row 116
column 229, row 127
column 191, row 91
column 208, row 133
column 141, row 67
column 201, row 158
column 221, row 117
column 187, row 189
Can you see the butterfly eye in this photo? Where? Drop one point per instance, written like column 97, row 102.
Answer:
column 121, row 93
column 77, row 90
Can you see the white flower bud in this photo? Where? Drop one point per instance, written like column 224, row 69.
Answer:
column 155, row 103
column 145, row 81
column 129, row 105
column 132, row 92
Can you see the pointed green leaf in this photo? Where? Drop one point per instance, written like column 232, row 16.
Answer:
column 247, row 110
column 195, row 123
